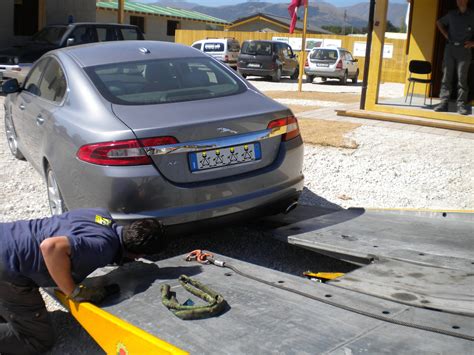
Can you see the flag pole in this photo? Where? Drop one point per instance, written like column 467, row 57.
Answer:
column 303, row 48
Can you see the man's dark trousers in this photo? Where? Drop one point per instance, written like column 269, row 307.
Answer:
column 457, row 59
column 25, row 325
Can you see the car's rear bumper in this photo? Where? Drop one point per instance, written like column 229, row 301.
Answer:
column 255, row 71
column 140, row 192
column 338, row 74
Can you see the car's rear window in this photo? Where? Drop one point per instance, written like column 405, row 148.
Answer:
column 163, row 81
column 257, row 48
column 213, row 47
column 324, row 54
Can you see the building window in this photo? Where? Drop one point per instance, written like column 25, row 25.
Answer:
column 25, row 17
column 172, row 27
column 138, row 21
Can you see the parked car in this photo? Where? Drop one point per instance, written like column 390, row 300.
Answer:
column 147, row 128
column 15, row 62
column 270, row 59
column 331, row 62
column 224, row 49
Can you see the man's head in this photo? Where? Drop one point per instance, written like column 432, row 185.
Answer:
column 143, row 237
column 462, row 5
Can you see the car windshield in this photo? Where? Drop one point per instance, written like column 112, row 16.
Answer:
column 257, row 48
column 324, row 54
column 163, row 81
column 50, row 35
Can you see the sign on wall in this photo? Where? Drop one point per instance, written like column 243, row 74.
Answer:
column 295, row 42
column 359, row 50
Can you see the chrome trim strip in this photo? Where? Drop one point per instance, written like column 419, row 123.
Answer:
column 216, row 143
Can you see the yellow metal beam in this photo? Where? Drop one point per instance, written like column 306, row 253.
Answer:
column 376, row 56
column 121, row 11
column 41, row 14
column 113, row 334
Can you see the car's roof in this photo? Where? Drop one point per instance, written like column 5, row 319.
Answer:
column 127, row 51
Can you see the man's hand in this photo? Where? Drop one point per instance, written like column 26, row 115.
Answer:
column 469, row 44
column 93, row 295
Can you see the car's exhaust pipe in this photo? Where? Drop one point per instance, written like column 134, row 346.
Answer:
column 291, row 207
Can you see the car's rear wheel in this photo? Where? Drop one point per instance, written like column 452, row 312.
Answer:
column 296, row 74
column 277, row 76
column 344, row 78
column 11, row 138
column 55, row 199
column 356, row 77
column 309, row 79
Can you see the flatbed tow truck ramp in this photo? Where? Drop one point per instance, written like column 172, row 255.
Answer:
column 400, row 302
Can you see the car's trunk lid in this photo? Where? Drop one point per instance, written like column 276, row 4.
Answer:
column 211, row 125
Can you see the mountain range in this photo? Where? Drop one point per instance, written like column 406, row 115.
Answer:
column 321, row 13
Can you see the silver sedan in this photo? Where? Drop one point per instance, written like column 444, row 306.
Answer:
column 153, row 129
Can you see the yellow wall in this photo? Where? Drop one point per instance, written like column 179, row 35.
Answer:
column 394, row 70
column 423, row 34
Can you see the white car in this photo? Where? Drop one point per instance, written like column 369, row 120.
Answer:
column 331, row 62
column 224, row 49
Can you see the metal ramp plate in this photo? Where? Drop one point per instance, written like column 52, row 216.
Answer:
column 262, row 319
column 367, row 234
column 423, row 259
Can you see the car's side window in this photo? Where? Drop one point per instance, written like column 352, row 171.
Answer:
column 84, row 34
column 32, row 83
column 197, row 46
column 105, row 34
column 53, row 86
column 289, row 51
column 349, row 57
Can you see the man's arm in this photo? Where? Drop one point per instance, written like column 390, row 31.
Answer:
column 442, row 28
column 57, row 256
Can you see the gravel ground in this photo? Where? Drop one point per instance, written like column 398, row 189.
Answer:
column 391, row 168
column 387, row 90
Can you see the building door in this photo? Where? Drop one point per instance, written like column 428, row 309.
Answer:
column 25, row 17
column 444, row 6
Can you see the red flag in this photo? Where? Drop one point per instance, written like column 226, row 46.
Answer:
column 293, row 11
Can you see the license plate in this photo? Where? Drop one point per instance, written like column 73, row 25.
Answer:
column 322, row 65
column 217, row 158
column 253, row 65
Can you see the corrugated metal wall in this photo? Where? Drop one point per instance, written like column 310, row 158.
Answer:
column 394, row 69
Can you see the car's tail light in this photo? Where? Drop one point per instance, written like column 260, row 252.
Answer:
column 306, row 63
column 339, row 64
column 121, row 153
column 291, row 125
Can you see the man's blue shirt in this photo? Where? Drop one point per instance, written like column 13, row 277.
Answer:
column 95, row 241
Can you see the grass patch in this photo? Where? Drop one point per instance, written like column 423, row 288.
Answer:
column 312, row 95
column 328, row 133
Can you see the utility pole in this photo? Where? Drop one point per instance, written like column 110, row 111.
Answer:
column 344, row 25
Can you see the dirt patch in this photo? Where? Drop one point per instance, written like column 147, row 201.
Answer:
column 311, row 95
column 328, row 133
column 301, row 108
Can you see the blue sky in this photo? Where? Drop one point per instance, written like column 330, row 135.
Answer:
column 233, row 2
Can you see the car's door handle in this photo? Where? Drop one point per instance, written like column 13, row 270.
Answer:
column 22, row 107
column 39, row 120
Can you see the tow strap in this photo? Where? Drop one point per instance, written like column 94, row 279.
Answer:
column 215, row 302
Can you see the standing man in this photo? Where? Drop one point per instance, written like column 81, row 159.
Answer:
column 60, row 251
column 458, row 29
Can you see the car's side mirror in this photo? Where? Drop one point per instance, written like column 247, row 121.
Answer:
column 10, row 86
column 70, row 42
column 356, row 60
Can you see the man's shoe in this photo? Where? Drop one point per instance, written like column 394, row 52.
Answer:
column 462, row 110
column 442, row 107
